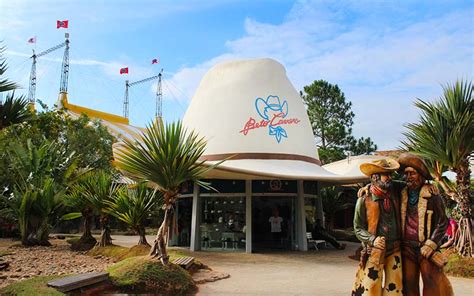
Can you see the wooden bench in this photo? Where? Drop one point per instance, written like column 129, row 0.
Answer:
column 78, row 281
column 184, row 262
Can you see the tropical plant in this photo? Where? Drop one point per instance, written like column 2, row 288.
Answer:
column 5, row 84
column 14, row 110
column 43, row 174
column 165, row 157
column 444, row 136
column 133, row 206
column 89, row 195
column 36, row 207
column 334, row 200
column 75, row 201
column 90, row 141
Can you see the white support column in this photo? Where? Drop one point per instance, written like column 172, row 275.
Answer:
column 248, row 216
column 301, row 218
column 195, row 220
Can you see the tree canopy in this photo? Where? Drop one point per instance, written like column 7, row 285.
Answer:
column 332, row 119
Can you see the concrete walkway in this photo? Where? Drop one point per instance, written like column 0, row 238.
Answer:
column 327, row 272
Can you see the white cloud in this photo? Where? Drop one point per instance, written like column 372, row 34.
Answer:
column 381, row 66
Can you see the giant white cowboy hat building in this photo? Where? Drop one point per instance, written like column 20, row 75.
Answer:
column 251, row 110
column 247, row 110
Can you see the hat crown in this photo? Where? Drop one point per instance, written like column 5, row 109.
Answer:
column 250, row 106
column 382, row 162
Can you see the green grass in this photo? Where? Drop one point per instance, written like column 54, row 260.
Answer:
column 33, row 286
column 120, row 253
column 458, row 266
column 73, row 240
column 112, row 251
column 5, row 252
column 138, row 250
column 148, row 275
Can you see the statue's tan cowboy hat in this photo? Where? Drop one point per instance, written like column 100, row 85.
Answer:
column 408, row 159
column 380, row 166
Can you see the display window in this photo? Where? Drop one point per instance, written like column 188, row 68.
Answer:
column 223, row 222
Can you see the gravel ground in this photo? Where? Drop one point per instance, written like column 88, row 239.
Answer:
column 54, row 260
column 327, row 272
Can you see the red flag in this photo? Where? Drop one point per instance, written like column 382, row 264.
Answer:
column 124, row 70
column 62, row 24
column 155, row 61
column 32, row 40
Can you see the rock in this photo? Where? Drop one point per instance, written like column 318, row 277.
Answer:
column 206, row 275
column 4, row 265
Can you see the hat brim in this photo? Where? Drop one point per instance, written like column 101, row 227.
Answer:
column 378, row 167
column 277, row 169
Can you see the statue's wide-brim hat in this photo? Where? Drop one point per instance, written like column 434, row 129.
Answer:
column 251, row 115
column 380, row 166
column 408, row 159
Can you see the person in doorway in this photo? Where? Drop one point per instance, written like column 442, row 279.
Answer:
column 320, row 233
column 275, row 226
column 423, row 225
column 376, row 225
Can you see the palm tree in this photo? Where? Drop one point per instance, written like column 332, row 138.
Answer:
column 445, row 138
column 165, row 157
column 74, row 199
column 133, row 206
column 334, row 200
column 5, row 84
column 90, row 196
column 13, row 111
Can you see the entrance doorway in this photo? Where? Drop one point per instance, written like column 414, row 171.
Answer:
column 264, row 238
column 184, row 211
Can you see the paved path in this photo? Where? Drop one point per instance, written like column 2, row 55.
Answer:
column 327, row 272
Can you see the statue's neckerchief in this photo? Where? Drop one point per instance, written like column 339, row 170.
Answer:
column 413, row 195
column 383, row 195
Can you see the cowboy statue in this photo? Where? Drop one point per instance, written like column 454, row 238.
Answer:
column 423, row 225
column 376, row 225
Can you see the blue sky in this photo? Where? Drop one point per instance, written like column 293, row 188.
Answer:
column 383, row 54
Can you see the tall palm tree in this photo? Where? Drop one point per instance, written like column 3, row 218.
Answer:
column 165, row 157
column 133, row 206
column 445, row 138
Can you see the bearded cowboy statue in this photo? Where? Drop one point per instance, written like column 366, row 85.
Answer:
column 376, row 225
column 423, row 224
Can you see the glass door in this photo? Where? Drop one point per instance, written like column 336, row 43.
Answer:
column 273, row 223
